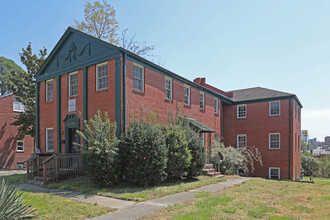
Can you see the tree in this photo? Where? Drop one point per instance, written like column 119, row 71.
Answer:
column 100, row 21
column 309, row 164
column 304, row 145
column 23, row 85
column 6, row 67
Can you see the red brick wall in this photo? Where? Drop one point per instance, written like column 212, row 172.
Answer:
column 153, row 99
column 47, row 112
column 9, row 157
column 257, row 126
column 296, row 140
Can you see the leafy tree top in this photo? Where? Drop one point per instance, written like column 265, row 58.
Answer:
column 7, row 66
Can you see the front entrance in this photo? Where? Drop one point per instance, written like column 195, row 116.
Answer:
column 72, row 125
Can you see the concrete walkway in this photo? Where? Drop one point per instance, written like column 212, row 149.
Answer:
column 135, row 210
column 138, row 210
column 11, row 172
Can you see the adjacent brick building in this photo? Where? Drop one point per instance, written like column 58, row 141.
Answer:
column 12, row 152
column 84, row 74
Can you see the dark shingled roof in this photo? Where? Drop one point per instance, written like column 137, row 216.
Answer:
column 257, row 93
column 199, row 126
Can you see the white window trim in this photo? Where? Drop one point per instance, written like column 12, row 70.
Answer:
column 47, row 150
column 70, row 84
column 241, row 135
column 202, row 93
column 216, row 109
column 279, row 172
column 202, row 137
column 97, row 76
column 279, row 141
column 47, row 98
column 20, row 106
column 171, row 88
column 17, row 146
column 270, row 109
column 142, row 67
column 245, row 111
column 188, row 87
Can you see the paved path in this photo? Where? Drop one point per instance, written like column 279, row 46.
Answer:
column 138, row 210
column 11, row 172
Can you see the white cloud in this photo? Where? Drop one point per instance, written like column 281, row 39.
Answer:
column 317, row 122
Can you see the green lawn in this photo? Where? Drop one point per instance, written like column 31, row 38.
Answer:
column 84, row 185
column 48, row 206
column 258, row 198
column 318, row 180
column 15, row 179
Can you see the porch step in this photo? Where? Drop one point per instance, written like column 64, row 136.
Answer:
column 208, row 166
column 210, row 171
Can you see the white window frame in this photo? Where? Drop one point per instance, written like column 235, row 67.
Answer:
column 142, row 79
column 279, row 141
column 47, row 146
column 202, row 138
column 19, row 141
column 216, row 106
column 238, row 106
column 97, row 76
column 241, row 135
column 47, row 96
column 70, row 91
column 170, row 89
column 279, row 108
column 21, row 106
column 201, row 94
column 188, row 96
column 277, row 168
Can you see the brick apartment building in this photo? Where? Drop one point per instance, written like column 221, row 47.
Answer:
column 83, row 74
column 12, row 152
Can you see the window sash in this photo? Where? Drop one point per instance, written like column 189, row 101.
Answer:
column 49, row 91
column 186, row 95
column 138, row 78
column 49, row 140
column 216, row 106
column 274, row 141
column 168, row 89
column 201, row 101
column 241, row 111
column 241, row 141
column 274, row 108
column 102, row 77
column 20, row 146
column 274, row 173
column 73, row 84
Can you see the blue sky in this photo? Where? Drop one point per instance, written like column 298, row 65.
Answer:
column 281, row 45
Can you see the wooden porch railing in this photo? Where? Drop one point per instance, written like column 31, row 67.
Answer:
column 34, row 164
column 62, row 166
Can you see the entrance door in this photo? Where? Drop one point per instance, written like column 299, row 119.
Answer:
column 72, row 138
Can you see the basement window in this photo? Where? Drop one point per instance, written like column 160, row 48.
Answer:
column 20, row 146
column 274, row 173
column 274, row 141
column 138, row 78
column 241, row 111
column 274, row 108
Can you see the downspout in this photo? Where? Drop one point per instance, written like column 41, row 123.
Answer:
column 221, row 121
column 290, row 138
column 124, row 91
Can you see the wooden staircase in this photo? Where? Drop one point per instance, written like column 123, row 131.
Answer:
column 208, row 170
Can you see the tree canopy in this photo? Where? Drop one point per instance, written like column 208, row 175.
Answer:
column 6, row 67
column 23, row 85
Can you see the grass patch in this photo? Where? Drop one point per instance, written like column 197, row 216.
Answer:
column 85, row 185
column 55, row 207
column 14, row 179
column 257, row 198
column 318, row 180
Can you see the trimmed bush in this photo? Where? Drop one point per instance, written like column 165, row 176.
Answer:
column 143, row 154
column 179, row 156
column 102, row 154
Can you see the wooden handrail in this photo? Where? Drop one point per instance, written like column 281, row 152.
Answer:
column 31, row 158
column 48, row 159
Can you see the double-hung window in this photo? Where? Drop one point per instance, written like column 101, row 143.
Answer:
column 49, row 90
column 168, row 88
column 241, row 141
column 274, row 173
column 49, row 140
column 20, row 146
column 274, row 108
column 201, row 101
column 216, row 106
column 187, row 95
column 138, row 78
column 73, row 84
column 274, row 141
column 241, row 111
column 102, row 76
column 202, row 138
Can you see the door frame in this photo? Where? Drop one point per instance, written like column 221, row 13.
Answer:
column 70, row 121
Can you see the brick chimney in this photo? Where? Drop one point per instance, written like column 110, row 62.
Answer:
column 200, row 81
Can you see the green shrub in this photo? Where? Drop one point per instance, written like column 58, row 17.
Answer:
column 102, row 154
column 143, row 154
column 197, row 150
column 11, row 205
column 179, row 156
column 309, row 164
